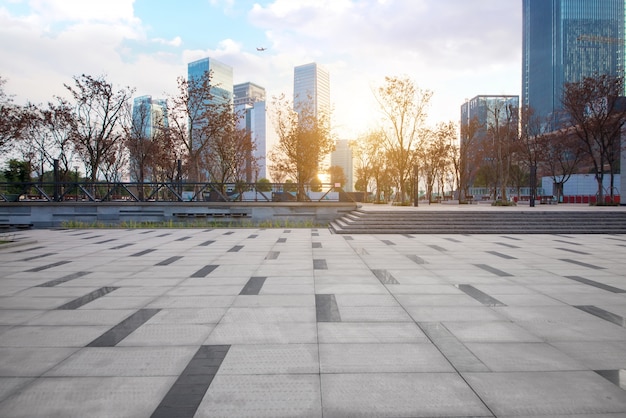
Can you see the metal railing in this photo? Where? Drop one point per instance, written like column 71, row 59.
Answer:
column 168, row 192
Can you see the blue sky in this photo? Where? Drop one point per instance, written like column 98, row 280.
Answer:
column 456, row 48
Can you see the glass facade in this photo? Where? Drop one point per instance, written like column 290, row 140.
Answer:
column 485, row 108
column 250, row 100
column 565, row 41
column 221, row 79
column 148, row 115
column 310, row 81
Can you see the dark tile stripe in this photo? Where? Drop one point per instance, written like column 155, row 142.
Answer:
column 319, row 264
column 92, row 237
column 572, row 251
column 35, row 257
column 119, row 247
column 385, row 277
column 253, row 286
column 122, row 330
column 27, row 249
column 185, row 395
column 106, row 240
column 493, row 270
column 164, row 235
column 147, row 232
column 408, row 235
column 567, row 242
column 64, row 279
column 235, row 249
column 580, row 263
column 83, row 300
column 48, row 266
column 204, row 271
column 326, row 309
column 252, row 236
column 438, row 248
column 416, row 259
column 287, row 231
column 169, row 261
column 316, row 245
column 282, row 240
column 272, row 255
column 228, row 233
column 601, row 313
column 596, row 284
column 461, row 358
column 513, row 238
column 348, row 238
column 144, row 252
column 504, row 244
column 388, row 242
column 206, row 243
column 453, row 240
column 505, row 256
column 479, row 295
column 183, row 238
column 617, row 377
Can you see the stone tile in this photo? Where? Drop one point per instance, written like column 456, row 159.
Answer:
column 547, row 393
column 399, row 394
column 88, row 397
column 10, row 385
column 596, row 355
column 512, row 357
column 125, row 361
column 30, row 361
column 268, row 314
column 167, row 335
column 271, row 359
column 382, row 358
column 450, row 313
column 262, row 396
column 373, row 314
column 468, row 331
column 188, row 316
column 263, row 333
column 47, row 336
column 369, row 332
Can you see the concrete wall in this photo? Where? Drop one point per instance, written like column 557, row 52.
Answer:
column 46, row 215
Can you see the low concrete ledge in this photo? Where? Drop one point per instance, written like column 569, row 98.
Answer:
column 56, row 214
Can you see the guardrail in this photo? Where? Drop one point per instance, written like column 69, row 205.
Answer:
column 170, row 192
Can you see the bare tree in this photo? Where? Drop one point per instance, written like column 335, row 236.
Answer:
column 404, row 108
column 100, row 113
column 12, row 119
column 596, row 112
column 304, row 139
column 502, row 132
column 463, row 157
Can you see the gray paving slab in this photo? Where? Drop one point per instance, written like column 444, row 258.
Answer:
column 413, row 329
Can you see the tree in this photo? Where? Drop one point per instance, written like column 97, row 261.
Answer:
column 196, row 117
column 304, row 139
column 337, row 176
column 464, row 156
column 560, row 156
column 435, row 155
column 17, row 172
column 502, row 132
column 371, row 163
column 12, row 121
column 596, row 112
column 100, row 114
column 404, row 108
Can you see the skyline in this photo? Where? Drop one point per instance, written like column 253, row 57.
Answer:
column 457, row 49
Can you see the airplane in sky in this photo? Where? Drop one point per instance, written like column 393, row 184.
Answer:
column 261, row 48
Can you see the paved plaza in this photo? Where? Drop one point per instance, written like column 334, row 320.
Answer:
column 305, row 323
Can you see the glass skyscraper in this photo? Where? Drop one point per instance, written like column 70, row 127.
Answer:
column 250, row 100
column 221, row 80
column 311, row 82
column 565, row 41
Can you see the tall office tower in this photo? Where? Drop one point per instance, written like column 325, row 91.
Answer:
column 311, row 82
column 565, row 41
column 148, row 116
column 221, row 78
column 342, row 157
column 250, row 100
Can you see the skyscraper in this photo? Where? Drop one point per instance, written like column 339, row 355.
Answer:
column 149, row 115
column 221, row 78
column 342, row 157
column 565, row 41
column 311, row 82
column 250, row 100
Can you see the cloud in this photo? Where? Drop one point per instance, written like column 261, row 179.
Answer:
column 176, row 41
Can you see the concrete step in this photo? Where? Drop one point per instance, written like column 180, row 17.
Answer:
column 472, row 222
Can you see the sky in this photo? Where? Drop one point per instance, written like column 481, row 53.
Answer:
column 457, row 49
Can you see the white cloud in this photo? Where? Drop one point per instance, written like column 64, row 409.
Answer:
column 176, row 41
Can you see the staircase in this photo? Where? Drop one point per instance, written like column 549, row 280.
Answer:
column 480, row 222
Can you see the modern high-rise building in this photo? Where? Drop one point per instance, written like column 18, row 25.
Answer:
column 250, row 101
column 221, row 78
column 342, row 157
column 148, row 115
column 565, row 41
column 311, row 82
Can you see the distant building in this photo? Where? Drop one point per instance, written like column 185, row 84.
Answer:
column 221, row 78
column 342, row 157
column 149, row 115
column 250, row 100
column 311, row 82
column 565, row 41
